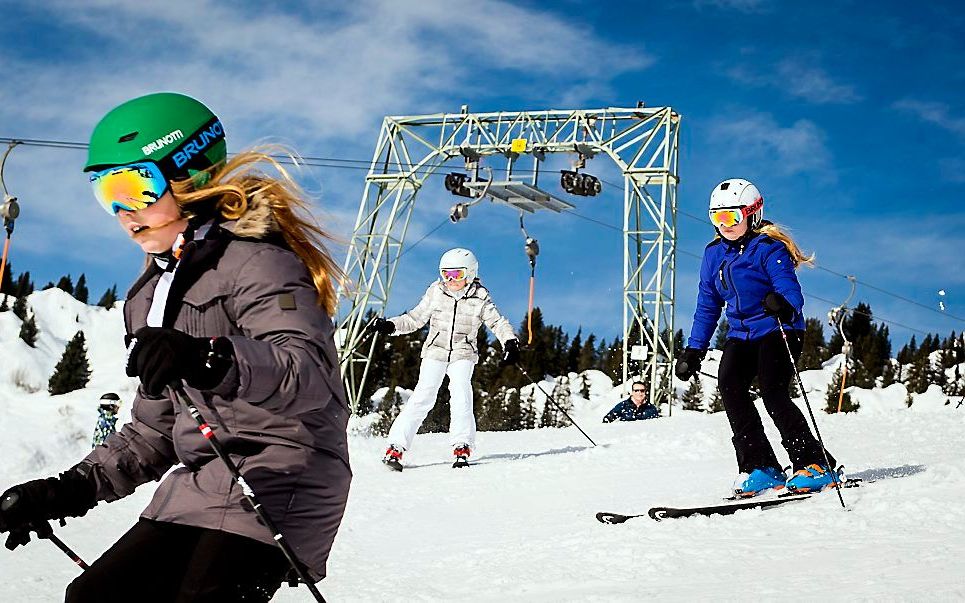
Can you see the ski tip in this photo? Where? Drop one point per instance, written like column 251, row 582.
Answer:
column 611, row 518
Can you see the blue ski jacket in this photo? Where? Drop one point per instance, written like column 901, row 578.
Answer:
column 628, row 411
column 739, row 274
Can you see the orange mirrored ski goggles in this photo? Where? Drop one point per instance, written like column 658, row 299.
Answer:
column 732, row 216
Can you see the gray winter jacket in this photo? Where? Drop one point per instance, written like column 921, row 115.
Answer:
column 454, row 322
column 280, row 412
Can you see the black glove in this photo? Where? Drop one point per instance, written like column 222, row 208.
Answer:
column 775, row 305
column 27, row 507
column 383, row 326
column 510, row 353
column 163, row 356
column 689, row 363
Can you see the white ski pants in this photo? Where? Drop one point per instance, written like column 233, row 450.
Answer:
column 462, row 421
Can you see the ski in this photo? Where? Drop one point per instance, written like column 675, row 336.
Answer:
column 728, row 508
column 393, row 464
column 660, row 513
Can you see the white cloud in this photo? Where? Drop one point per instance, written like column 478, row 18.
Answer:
column 935, row 113
column 320, row 77
column 798, row 79
column 744, row 6
column 785, row 150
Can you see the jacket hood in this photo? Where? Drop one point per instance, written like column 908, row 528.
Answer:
column 257, row 222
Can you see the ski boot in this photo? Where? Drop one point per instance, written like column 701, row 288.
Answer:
column 393, row 458
column 461, row 452
column 758, row 481
column 812, row 478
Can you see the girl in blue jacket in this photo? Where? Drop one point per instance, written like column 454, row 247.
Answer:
column 749, row 268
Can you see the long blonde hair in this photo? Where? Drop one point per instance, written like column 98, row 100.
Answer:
column 780, row 233
column 232, row 185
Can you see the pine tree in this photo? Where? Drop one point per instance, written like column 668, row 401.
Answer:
column 20, row 308
column 888, row 375
column 28, row 331
column 693, row 398
column 584, row 386
column 678, row 343
column 80, row 291
column 561, row 395
column 66, row 284
column 814, row 350
column 109, row 298
column 588, row 356
column 834, row 392
column 49, row 285
column 24, row 286
column 388, row 409
column 793, row 390
column 8, row 287
column 909, row 399
column 547, row 418
column 3, row 305
column 716, row 403
column 73, row 370
column 573, row 354
column 527, row 419
column 721, row 339
column 514, row 411
column 917, row 379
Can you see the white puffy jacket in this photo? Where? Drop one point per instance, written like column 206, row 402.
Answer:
column 454, row 322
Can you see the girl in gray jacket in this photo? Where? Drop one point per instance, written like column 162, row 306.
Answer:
column 234, row 307
column 455, row 306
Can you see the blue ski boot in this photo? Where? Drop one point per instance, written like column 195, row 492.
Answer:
column 812, row 478
column 758, row 481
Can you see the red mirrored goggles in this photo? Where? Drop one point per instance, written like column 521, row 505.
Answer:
column 452, row 274
column 732, row 216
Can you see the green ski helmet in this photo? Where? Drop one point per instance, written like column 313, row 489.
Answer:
column 178, row 133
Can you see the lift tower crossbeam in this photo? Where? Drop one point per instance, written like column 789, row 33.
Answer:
column 641, row 142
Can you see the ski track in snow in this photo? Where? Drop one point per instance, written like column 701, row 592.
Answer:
column 520, row 526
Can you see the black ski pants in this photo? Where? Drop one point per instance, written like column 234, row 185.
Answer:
column 157, row 562
column 766, row 358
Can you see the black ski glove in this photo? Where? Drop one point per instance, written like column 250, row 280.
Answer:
column 383, row 326
column 775, row 305
column 510, row 353
column 689, row 363
column 27, row 507
column 163, row 356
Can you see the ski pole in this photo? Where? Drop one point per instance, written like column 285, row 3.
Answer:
column 790, row 355
column 550, row 398
column 751, row 390
column 48, row 534
column 44, row 531
column 246, row 490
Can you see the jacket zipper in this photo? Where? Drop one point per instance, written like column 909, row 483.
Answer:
column 452, row 329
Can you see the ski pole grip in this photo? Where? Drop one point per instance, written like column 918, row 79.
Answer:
column 9, row 501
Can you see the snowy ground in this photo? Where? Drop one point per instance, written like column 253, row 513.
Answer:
column 519, row 525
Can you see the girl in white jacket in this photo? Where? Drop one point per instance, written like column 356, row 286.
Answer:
column 454, row 306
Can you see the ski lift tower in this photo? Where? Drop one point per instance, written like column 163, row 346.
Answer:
column 642, row 142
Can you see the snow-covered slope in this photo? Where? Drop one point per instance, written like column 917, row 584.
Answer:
column 519, row 525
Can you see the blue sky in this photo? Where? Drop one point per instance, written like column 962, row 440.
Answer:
column 850, row 117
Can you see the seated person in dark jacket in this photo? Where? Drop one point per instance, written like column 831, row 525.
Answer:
column 634, row 408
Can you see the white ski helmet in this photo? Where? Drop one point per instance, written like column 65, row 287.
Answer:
column 738, row 193
column 460, row 258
